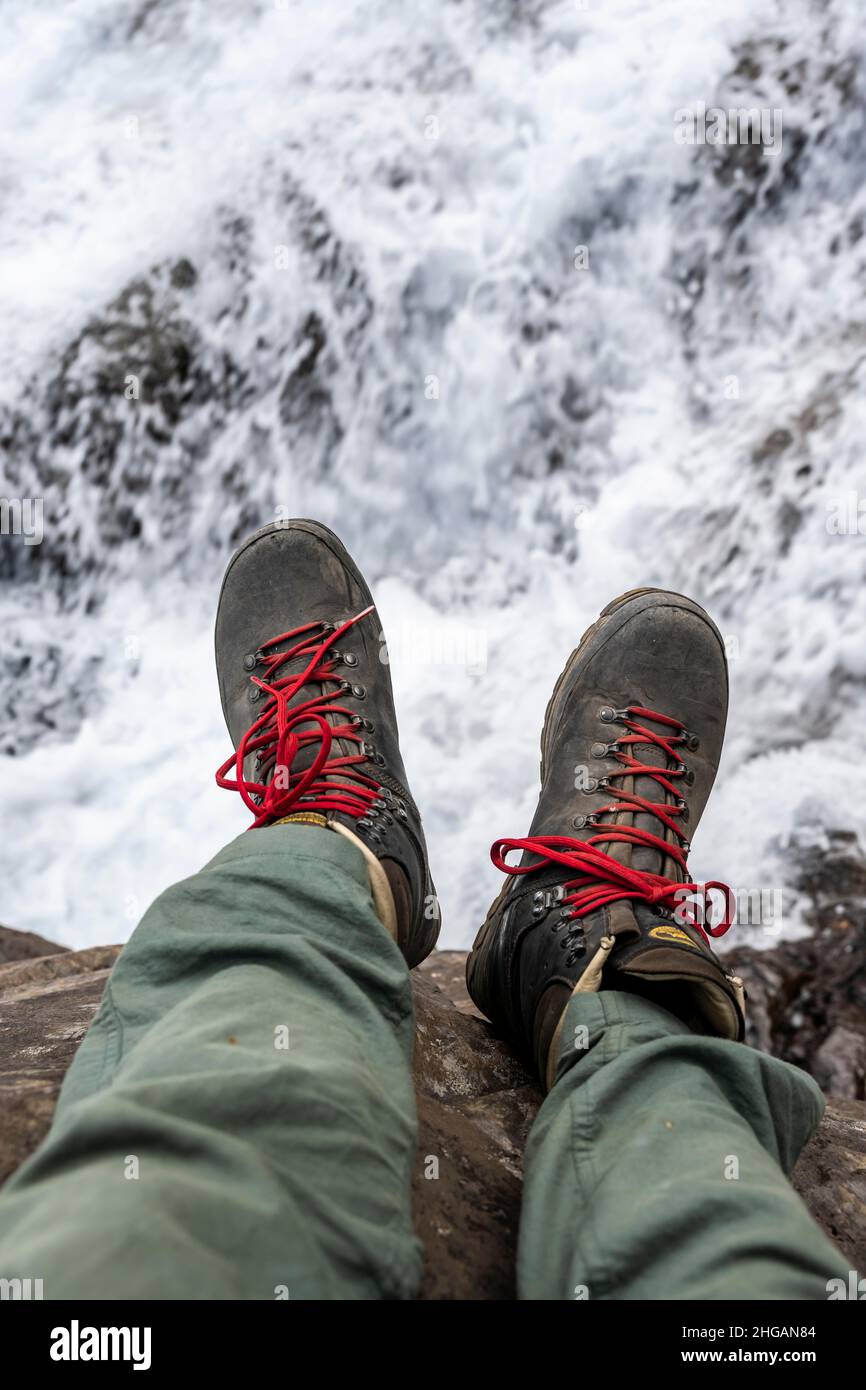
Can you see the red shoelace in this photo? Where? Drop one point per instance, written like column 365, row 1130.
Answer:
column 603, row 879
column 280, row 733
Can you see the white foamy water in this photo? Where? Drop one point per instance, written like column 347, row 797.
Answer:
column 384, row 327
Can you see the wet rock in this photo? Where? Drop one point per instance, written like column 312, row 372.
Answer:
column 807, row 998
column 47, row 1004
column 476, row 1105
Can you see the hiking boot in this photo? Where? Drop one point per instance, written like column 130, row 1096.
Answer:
column 601, row 897
column 306, row 694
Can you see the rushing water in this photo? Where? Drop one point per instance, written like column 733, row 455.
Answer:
column 326, row 260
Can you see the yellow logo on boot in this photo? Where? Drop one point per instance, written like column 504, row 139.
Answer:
column 668, row 933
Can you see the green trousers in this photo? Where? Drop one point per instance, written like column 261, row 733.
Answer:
column 239, row 1121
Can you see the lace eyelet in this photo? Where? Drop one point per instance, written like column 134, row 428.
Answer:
column 250, row 661
column 358, row 691
column 608, row 715
column 349, row 659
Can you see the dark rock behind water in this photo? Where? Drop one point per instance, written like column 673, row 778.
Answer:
column 807, row 998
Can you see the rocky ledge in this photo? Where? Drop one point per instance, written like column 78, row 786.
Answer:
column 476, row 1104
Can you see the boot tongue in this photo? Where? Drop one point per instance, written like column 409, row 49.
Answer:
column 643, row 857
column 305, row 755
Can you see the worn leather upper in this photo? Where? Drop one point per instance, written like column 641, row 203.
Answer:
column 298, row 572
column 657, row 650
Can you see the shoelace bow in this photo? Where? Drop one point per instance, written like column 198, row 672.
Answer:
column 603, row 880
column 280, row 733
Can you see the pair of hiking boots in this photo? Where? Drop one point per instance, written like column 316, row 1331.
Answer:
column 597, row 894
